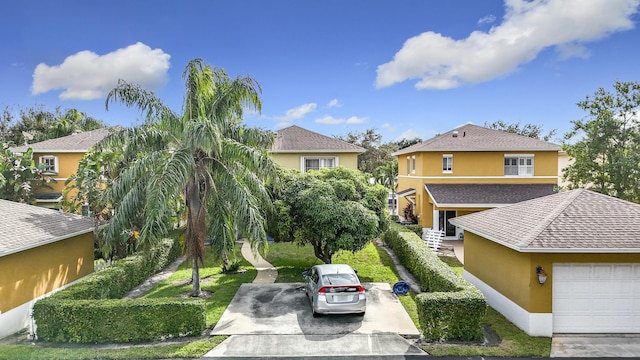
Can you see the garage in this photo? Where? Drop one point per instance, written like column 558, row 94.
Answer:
column 596, row 298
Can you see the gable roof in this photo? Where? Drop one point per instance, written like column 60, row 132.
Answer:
column 485, row 195
column 294, row 139
column 75, row 143
column 471, row 137
column 576, row 221
column 26, row 226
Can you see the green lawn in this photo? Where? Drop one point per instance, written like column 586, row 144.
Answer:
column 372, row 263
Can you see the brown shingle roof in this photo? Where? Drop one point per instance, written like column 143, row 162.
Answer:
column 471, row 137
column 486, row 194
column 26, row 226
column 79, row 142
column 297, row 139
column 575, row 221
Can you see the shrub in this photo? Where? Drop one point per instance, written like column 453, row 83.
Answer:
column 92, row 310
column 450, row 307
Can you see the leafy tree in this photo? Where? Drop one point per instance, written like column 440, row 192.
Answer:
column 20, row 176
column 387, row 176
column 37, row 124
column 529, row 130
column 404, row 143
column 203, row 158
column 332, row 209
column 376, row 153
column 605, row 145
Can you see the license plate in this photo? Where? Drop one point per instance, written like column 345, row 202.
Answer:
column 341, row 298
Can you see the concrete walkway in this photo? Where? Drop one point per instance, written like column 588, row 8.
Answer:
column 267, row 274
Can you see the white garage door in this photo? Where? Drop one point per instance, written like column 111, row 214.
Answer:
column 596, row 298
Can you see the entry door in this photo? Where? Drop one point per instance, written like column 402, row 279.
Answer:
column 443, row 220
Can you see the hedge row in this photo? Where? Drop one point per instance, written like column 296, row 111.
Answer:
column 92, row 311
column 449, row 306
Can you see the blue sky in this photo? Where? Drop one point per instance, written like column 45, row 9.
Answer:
column 407, row 68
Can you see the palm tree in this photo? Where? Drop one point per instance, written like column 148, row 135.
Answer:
column 387, row 175
column 203, row 159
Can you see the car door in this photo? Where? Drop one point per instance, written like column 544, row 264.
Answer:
column 312, row 276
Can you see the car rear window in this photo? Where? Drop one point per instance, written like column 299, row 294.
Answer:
column 339, row 279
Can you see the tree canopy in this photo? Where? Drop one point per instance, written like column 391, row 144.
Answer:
column 605, row 144
column 20, row 176
column 202, row 160
column 36, row 124
column 530, row 130
column 331, row 209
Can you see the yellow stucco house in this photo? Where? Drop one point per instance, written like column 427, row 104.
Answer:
column 304, row 150
column 41, row 251
column 469, row 169
column 60, row 158
column 562, row 263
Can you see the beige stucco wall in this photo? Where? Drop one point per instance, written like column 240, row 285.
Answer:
column 513, row 273
column 29, row 274
column 292, row 160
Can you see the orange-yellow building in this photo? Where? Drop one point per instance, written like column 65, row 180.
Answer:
column 563, row 263
column 60, row 158
column 41, row 251
column 472, row 168
column 302, row 149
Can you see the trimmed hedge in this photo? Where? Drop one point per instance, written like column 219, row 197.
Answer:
column 450, row 307
column 92, row 311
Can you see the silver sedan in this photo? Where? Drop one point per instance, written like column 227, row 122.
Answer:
column 335, row 289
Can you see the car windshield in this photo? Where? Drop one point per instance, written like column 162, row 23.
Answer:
column 339, row 279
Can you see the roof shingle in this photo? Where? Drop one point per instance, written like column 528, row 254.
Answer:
column 26, row 226
column 78, row 142
column 297, row 139
column 572, row 221
column 471, row 137
column 486, row 194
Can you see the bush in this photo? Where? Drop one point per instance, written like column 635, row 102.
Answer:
column 450, row 307
column 92, row 310
column 415, row 228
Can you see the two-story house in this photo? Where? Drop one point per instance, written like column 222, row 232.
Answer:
column 302, row 149
column 60, row 158
column 472, row 168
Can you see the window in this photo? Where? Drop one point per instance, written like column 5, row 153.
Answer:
column 317, row 163
column 413, row 164
column 447, row 163
column 408, row 165
column 518, row 165
column 49, row 164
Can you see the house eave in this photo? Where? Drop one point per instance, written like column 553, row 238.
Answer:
column 319, row 151
column 46, row 242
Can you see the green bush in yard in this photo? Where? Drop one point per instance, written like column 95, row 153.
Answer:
column 449, row 306
column 92, row 310
column 119, row 320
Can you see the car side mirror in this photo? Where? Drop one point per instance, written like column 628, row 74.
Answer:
column 305, row 273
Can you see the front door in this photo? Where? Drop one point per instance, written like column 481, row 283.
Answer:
column 443, row 221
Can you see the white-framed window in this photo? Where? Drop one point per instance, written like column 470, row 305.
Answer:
column 447, row 163
column 518, row 165
column 317, row 163
column 408, row 165
column 49, row 164
column 413, row 164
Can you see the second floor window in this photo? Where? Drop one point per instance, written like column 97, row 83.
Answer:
column 49, row 164
column 447, row 163
column 318, row 163
column 413, row 164
column 518, row 165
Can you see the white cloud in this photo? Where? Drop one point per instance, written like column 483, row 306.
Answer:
column 334, row 103
column 295, row 114
column 489, row 19
column 409, row 135
column 330, row 120
column 388, row 127
column 87, row 75
column 528, row 27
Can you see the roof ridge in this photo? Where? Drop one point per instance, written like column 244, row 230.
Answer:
column 552, row 215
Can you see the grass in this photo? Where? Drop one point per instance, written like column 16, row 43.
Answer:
column 373, row 265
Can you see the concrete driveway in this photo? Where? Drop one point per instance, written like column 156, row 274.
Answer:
column 274, row 321
column 283, row 309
